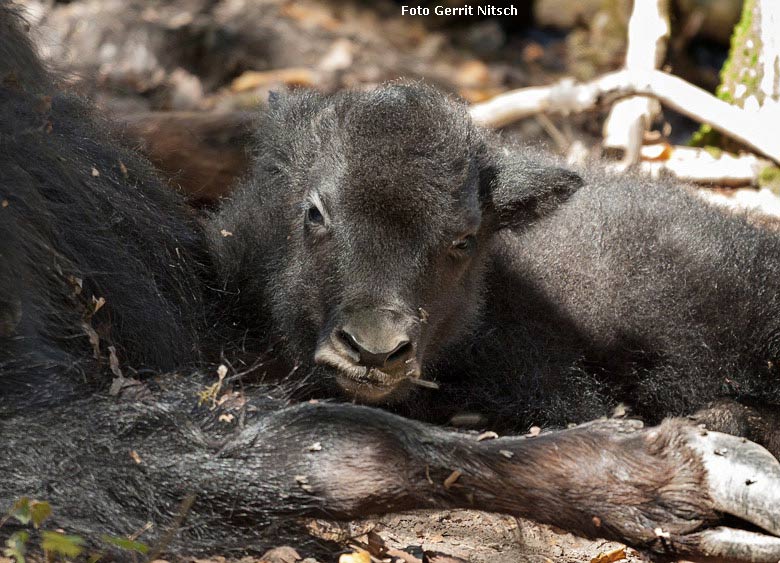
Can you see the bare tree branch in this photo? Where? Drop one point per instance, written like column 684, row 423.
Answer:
column 569, row 97
column 648, row 33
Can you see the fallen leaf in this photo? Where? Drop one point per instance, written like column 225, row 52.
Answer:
column 450, row 481
column 402, row 555
column 253, row 79
column 94, row 339
column 282, row 554
column 532, row 52
column 113, row 362
column 357, row 556
column 97, row 303
column 225, row 233
column 303, row 482
column 338, row 57
column 610, row 556
column 95, row 172
column 437, row 557
column 472, row 73
column 135, row 457
column 310, row 15
column 77, row 284
column 489, row 435
column 338, row 532
column 477, row 95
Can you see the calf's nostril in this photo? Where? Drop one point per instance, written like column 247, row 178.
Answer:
column 349, row 341
column 401, row 352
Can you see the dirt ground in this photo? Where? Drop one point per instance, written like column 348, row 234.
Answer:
column 451, row 537
column 487, row 538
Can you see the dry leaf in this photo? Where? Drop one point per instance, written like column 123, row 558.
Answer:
column 95, row 172
column 232, row 401
column 283, row 554
column 113, row 362
column 489, row 435
column 252, row 79
column 94, row 339
column 402, row 555
column 136, row 458
column 450, row 481
column 610, row 556
column 225, row 233
column 357, row 556
column 97, row 303
column 310, row 15
column 477, row 95
column 77, row 284
column 472, row 73
column 534, row 431
column 437, row 557
column 338, row 532
column 303, row 482
column 532, row 52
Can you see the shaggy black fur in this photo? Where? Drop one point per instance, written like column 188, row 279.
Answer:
column 633, row 291
column 83, row 219
column 524, row 307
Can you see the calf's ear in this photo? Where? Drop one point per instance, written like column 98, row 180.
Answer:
column 520, row 190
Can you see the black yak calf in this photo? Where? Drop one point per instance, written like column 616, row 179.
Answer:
column 386, row 241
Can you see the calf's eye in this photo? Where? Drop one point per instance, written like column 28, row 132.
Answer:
column 464, row 245
column 314, row 216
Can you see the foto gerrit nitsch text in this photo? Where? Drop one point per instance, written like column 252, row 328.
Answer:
column 465, row 10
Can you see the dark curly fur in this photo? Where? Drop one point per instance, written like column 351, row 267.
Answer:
column 83, row 219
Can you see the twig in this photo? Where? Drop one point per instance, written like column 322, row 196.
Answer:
column 648, row 32
column 568, row 97
column 690, row 164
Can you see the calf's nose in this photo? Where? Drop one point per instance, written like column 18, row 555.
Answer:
column 370, row 353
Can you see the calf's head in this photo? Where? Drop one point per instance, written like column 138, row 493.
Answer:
column 369, row 220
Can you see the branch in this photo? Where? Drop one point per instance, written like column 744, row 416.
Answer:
column 696, row 165
column 629, row 119
column 569, row 97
